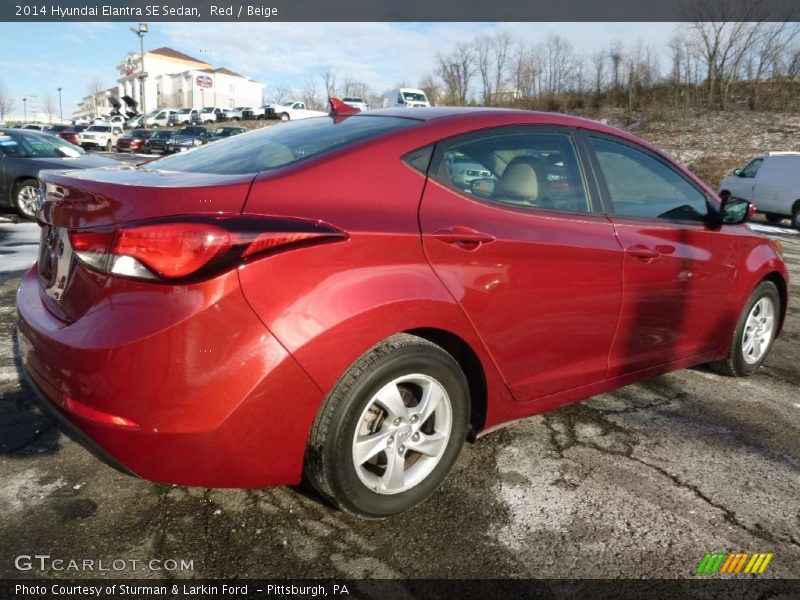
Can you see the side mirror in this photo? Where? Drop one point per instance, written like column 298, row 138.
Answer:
column 734, row 211
column 737, row 172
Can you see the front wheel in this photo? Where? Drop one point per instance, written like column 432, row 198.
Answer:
column 108, row 146
column 391, row 429
column 754, row 334
column 26, row 197
column 796, row 218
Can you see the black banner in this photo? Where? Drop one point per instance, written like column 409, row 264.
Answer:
column 412, row 589
column 402, row 10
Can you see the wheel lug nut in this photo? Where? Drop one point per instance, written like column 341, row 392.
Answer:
column 401, row 449
column 414, row 418
column 398, row 420
column 415, row 437
column 390, row 440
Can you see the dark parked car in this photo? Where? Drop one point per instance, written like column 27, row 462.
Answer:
column 23, row 154
column 56, row 129
column 187, row 138
column 324, row 298
column 224, row 132
column 157, row 141
column 133, row 141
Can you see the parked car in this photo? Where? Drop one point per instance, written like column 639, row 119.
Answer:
column 406, row 98
column 258, row 112
column 294, row 313
column 209, row 114
column 223, row 132
column 291, row 111
column 34, row 126
column 157, row 141
column 237, row 114
column 100, row 136
column 133, row 141
column 24, row 154
column 56, row 129
column 159, row 117
column 187, row 138
column 772, row 182
column 114, row 120
column 183, row 116
column 356, row 102
column 71, row 135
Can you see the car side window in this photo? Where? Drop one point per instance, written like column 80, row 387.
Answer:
column 642, row 186
column 525, row 170
column 752, row 168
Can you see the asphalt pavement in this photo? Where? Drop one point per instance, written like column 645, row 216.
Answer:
column 639, row 482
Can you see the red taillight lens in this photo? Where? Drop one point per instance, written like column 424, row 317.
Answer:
column 173, row 250
column 191, row 248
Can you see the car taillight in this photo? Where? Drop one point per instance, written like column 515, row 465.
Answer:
column 192, row 248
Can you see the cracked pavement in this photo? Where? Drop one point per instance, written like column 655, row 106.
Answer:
column 639, row 482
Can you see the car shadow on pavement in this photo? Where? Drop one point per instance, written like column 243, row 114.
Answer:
column 26, row 427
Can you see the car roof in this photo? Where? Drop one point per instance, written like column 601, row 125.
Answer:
column 490, row 116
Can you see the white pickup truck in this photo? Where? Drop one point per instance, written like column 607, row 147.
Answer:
column 291, row 111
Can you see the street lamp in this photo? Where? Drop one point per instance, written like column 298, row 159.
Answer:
column 140, row 31
column 60, row 109
column 25, row 109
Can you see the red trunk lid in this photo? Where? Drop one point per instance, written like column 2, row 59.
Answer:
column 104, row 198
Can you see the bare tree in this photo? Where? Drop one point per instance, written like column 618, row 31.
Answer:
column 282, row 94
column 456, row 70
column 328, row 75
column 598, row 72
column 428, row 85
column 616, row 55
column 6, row 101
column 49, row 106
column 95, row 89
column 310, row 97
column 354, row 87
column 774, row 41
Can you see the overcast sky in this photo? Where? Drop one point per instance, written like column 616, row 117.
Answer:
column 38, row 58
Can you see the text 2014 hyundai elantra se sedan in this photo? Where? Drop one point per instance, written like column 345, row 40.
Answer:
column 326, row 297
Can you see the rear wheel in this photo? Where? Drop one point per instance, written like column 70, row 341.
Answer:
column 284, row 117
column 754, row 334
column 25, row 197
column 796, row 217
column 391, row 429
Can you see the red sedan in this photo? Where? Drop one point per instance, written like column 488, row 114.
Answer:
column 332, row 296
column 133, row 141
column 71, row 135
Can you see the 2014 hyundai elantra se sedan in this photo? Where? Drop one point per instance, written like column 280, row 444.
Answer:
column 325, row 297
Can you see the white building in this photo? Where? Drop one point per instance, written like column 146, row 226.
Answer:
column 176, row 80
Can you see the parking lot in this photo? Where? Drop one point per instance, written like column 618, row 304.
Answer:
column 640, row 482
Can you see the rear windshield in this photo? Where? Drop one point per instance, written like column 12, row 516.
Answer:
column 279, row 145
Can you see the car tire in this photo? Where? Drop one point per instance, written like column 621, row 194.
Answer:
column 773, row 218
column 754, row 334
column 378, row 402
column 283, row 117
column 25, row 196
column 109, row 145
column 796, row 218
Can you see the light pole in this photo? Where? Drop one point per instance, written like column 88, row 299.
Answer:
column 140, row 31
column 25, row 109
column 60, row 109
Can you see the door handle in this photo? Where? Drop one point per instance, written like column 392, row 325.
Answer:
column 464, row 237
column 643, row 252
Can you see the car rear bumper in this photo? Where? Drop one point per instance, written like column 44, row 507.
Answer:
column 190, row 389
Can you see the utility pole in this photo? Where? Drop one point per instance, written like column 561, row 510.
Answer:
column 140, row 31
column 60, row 109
